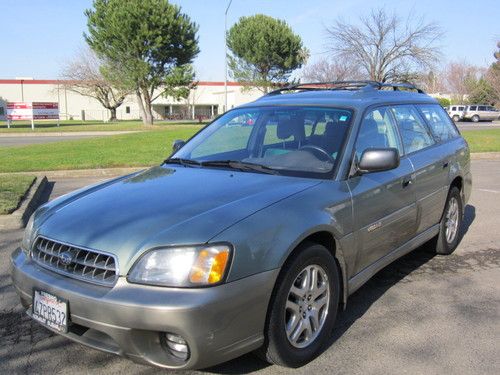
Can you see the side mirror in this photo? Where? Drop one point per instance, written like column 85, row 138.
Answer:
column 177, row 145
column 378, row 160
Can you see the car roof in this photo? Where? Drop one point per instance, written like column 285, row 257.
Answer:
column 357, row 99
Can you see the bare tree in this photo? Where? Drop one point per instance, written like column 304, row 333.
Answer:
column 493, row 75
column 386, row 47
column 338, row 69
column 460, row 77
column 83, row 76
column 433, row 82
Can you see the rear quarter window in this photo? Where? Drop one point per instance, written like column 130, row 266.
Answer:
column 413, row 131
column 439, row 122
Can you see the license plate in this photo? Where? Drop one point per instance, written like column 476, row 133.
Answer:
column 50, row 310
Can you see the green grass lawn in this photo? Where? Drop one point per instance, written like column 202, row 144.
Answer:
column 487, row 140
column 139, row 149
column 80, row 126
column 142, row 149
column 12, row 190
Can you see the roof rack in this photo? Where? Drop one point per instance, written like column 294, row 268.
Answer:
column 346, row 85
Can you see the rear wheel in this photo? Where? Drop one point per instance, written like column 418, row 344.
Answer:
column 475, row 118
column 303, row 308
column 451, row 223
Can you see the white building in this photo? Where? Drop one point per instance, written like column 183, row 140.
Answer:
column 206, row 100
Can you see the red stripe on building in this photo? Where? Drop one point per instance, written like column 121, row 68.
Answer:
column 57, row 81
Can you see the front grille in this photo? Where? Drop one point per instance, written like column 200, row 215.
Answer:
column 79, row 263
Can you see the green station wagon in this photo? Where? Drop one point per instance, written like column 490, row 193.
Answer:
column 254, row 233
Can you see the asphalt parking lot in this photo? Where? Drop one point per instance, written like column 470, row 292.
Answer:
column 424, row 314
column 13, row 139
column 468, row 125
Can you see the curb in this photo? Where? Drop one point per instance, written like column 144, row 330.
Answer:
column 485, row 155
column 83, row 173
column 30, row 203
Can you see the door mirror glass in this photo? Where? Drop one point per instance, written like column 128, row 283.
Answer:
column 378, row 160
column 177, row 145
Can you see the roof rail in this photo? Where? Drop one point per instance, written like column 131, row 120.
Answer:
column 345, row 85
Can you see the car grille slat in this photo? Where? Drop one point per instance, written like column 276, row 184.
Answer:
column 87, row 265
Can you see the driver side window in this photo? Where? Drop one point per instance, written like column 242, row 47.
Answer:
column 377, row 131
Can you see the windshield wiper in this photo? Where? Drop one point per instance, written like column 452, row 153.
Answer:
column 240, row 165
column 181, row 161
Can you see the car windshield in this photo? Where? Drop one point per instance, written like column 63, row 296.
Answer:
column 298, row 141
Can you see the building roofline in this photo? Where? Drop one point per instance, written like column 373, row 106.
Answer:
column 61, row 81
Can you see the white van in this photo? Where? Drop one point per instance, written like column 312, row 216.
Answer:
column 456, row 111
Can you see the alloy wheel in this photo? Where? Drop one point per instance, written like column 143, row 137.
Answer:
column 306, row 307
column 452, row 220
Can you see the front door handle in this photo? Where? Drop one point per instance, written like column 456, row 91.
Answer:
column 407, row 181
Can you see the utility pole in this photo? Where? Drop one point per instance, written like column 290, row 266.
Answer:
column 225, row 56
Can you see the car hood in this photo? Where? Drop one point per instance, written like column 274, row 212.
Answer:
column 161, row 207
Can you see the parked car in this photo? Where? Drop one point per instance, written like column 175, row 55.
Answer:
column 249, row 238
column 456, row 112
column 476, row 113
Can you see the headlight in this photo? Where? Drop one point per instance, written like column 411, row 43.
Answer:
column 28, row 235
column 182, row 266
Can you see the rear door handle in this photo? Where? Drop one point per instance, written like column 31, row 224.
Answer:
column 445, row 164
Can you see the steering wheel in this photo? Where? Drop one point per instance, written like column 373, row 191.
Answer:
column 316, row 150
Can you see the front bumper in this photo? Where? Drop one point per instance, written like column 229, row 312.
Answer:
column 218, row 323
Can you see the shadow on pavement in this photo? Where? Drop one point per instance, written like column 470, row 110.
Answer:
column 360, row 301
column 357, row 306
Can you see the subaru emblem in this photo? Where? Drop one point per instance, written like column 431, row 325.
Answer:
column 66, row 258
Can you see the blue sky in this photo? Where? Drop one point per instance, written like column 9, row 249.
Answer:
column 39, row 36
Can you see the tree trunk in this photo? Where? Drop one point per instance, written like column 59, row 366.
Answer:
column 113, row 114
column 141, row 107
column 147, row 106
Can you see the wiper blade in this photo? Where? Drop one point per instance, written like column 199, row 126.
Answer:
column 181, row 161
column 240, row 165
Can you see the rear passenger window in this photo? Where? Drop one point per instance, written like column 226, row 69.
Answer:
column 439, row 122
column 481, row 108
column 377, row 131
column 413, row 131
column 472, row 108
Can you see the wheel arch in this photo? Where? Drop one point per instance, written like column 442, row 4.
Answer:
column 323, row 236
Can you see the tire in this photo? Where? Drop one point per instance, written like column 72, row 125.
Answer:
column 444, row 244
column 456, row 118
column 475, row 118
column 278, row 348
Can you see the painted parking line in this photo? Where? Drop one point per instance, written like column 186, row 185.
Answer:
column 490, row 191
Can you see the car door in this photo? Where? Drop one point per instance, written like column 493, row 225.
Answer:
column 429, row 157
column 383, row 202
column 492, row 114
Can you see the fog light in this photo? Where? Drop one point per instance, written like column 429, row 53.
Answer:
column 177, row 346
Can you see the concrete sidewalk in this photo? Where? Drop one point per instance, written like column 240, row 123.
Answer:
column 25, row 139
column 67, row 134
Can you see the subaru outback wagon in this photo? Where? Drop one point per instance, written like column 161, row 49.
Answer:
column 252, row 235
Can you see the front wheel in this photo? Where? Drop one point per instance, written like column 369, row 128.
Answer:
column 303, row 307
column 456, row 118
column 475, row 118
column 451, row 223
